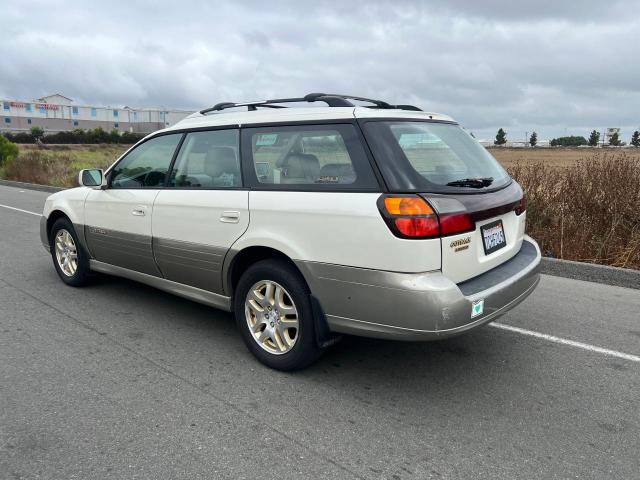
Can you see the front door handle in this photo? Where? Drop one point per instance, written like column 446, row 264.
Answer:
column 230, row 217
column 139, row 211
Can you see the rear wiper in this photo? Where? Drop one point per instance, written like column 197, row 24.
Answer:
column 472, row 182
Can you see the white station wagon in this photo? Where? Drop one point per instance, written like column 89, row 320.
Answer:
column 359, row 217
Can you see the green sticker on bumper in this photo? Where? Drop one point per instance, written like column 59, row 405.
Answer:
column 477, row 308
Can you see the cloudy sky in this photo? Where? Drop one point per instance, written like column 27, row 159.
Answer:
column 557, row 67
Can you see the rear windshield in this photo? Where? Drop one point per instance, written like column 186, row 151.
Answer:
column 432, row 157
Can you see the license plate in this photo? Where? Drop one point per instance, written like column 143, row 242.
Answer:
column 493, row 236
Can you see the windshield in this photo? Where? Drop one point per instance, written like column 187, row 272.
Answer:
column 432, row 157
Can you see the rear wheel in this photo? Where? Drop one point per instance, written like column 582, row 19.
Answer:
column 273, row 312
column 69, row 258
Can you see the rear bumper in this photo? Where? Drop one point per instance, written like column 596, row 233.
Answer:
column 422, row 306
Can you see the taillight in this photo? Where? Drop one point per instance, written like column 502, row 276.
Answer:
column 456, row 223
column 522, row 206
column 411, row 216
column 418, row 227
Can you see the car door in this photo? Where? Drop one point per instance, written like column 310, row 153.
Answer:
column 203, row 210
column 118, row 218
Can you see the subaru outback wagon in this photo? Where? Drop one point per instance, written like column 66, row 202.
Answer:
column 358, row 217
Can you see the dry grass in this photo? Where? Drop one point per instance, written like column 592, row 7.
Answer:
column 586, row 210
column 58, row 165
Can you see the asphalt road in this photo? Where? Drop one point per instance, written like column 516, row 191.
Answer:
column 119, row 380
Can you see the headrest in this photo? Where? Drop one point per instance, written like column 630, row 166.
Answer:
column 337, row 170
column 221, row 160
column 301, row 165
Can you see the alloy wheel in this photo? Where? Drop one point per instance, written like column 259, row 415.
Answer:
column 272, row 317
column 66, row 253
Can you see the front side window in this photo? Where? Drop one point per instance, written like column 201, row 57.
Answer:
column 432, row 157
column 318, row 157
column 208, row 159
column 147, row 165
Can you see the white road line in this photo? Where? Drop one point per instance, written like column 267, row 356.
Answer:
column 571, row 343
column 21, row 210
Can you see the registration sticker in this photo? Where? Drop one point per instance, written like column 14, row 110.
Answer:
column 477, row 308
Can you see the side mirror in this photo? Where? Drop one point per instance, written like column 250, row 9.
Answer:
column 93, row 178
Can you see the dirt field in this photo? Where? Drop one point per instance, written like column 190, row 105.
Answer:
column 556, row 157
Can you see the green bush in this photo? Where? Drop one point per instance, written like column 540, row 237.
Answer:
column 78, row 136
column 8, row 150
column 571, row 141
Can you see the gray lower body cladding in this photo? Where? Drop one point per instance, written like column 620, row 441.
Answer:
column 420, row 306
column 193, row 264
column 187, row 263
column 123, row 249
column 44, row 235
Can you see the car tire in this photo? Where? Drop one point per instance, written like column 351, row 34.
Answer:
column 70, row 259
column 272, row 306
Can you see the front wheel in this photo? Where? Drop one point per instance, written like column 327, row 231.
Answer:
column 273, row 312
column 69, row 258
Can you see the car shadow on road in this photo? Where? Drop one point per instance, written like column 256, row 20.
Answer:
column 362, row 355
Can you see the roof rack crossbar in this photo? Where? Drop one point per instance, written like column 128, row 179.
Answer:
column 331, row 99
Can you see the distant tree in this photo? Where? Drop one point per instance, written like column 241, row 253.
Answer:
column 635, row 139
column 8, row 150
column 501, row 137
column 99, row 135
column 594, row 138
column 37, row 133
column 114, row 136
column 572, row 141
column 614, row 140
column 533, row 140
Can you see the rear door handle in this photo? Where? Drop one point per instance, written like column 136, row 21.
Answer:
column 139, row 211
column 230, row 217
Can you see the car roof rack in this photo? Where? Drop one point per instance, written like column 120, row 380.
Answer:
column 331, row 99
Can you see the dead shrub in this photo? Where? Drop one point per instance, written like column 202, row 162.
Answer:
column 586, row 212
column 37, row 167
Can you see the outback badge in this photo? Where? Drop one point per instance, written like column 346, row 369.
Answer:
column 461, row 244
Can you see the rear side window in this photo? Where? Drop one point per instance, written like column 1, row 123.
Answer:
column 146, row 166
column 432, row 157
column 307, row 157
column 208, row 160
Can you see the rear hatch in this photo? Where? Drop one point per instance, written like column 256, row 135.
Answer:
column 480, row 209
column 498, row 221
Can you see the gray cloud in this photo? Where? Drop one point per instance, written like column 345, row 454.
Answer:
column 544, row 65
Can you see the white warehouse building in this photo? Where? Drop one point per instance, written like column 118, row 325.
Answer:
column 56, row 113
